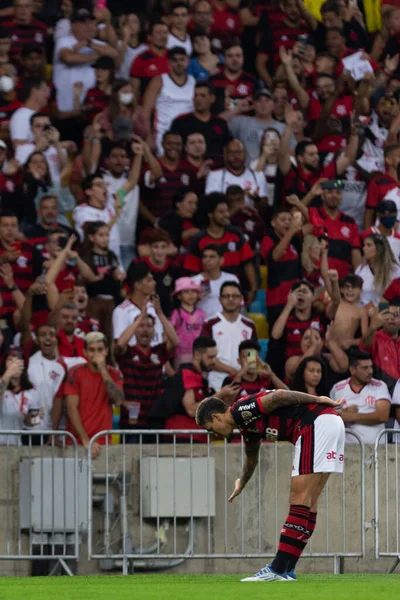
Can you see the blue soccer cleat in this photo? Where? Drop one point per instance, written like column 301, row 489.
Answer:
column 291, row 575
column 266, row 574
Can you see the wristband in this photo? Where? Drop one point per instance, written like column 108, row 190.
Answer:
column 13, row 288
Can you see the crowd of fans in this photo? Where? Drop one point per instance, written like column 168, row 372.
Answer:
column 185, row 185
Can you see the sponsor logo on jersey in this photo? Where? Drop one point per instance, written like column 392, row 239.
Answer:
column 246, row 415
column 247, row 407
column 332, row 455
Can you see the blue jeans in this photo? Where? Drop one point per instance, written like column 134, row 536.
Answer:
column 127, row 255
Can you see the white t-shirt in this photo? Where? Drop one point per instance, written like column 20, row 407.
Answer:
column 64, row 76
column 12, row 413
column 84, row 213
column 271, row 171
column 23, row 152
column 47, row 376
column 221, row 179
column 210, row 303
column 394, row 241
column 365, row 401
column 175, row 42
column 127, row 220
column 126, row 313
column 129, row 56
column 20, row 124
column 227, row 336
column 369, row 293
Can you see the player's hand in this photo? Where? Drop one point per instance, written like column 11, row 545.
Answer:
column 238, row 490
column 329, row 402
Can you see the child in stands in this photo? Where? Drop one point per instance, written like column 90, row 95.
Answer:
column 187, row 319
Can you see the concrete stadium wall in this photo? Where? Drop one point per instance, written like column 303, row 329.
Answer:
column 273, row 486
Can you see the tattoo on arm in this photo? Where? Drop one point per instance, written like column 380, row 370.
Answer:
column 282, row 398
column 250, row 464
column 115, row 394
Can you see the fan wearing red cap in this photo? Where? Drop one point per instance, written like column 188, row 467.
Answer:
column 187, row 318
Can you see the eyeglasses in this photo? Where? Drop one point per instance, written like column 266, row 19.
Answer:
column 234, row 296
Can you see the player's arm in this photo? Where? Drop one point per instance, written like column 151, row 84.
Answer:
column 250, row 463
column 284, row 398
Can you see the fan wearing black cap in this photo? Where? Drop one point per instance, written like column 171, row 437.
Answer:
column 385, row 186
column 98, row 97
column 386, row 213
column 169, row 95
column 339, row 229
column 74, row 56
column 24, row 29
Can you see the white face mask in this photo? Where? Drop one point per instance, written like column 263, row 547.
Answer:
column 126, row 97
column 6, row 84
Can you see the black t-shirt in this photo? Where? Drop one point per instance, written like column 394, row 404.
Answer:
column 107, row 264
column 215, row 131
column 165, row 282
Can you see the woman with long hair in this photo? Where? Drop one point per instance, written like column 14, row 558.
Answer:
column 204, row 61
column 130, row 42
column 124, row 107
column 309, row 376
column 378, row 269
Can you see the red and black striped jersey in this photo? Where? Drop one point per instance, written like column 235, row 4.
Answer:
column 281, row 425
column 240, row 87
column 382, row 187
column 26, row 268
column 147, row 65
column 226, row 23
column 95, row 101
column 159, row 196
column 295, row 328
column 251, row 224
column 280, row 34
column 23, row 35
column 282, row 273
column 341, row 111
column 343, row 237
column 143, row 379
column 7, row 109
column 237, row 251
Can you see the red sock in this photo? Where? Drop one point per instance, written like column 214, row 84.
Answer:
column 312, row 521
column 294, row 536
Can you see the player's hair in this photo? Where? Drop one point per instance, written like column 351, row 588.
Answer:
column 203, row 343
column 300, row 282
column 158, row 235
column 213, row 200
column 205, row 84
column 330, row 6
column 298, row 383
column 95, row 336
column 353, row 280
column 249, row 345
column 29, row 84
column 301, row 149
column 215, row 248
column 389, row 149
column 355, row 355
column 230, row 284
column 136, row 272
column 209, row 407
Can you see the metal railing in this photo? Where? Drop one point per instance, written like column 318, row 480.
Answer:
column 387, row 495
column 181, row 489
column 40, row 511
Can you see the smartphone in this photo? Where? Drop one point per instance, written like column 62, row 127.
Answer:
column 205, row 286
column 34, row 415
column 251, row 359
column 302, row 41
column 62, row 241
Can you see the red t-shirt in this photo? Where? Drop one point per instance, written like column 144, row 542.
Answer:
column 95, row 408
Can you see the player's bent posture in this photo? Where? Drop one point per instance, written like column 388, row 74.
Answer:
column 316, row 430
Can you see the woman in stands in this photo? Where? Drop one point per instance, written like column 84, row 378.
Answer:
column 378, row 269
column 310, row 376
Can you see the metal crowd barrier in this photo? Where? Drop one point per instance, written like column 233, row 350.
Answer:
column 163, row 502
column 387, row 487
column 43, row 525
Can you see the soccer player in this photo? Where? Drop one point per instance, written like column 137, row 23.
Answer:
column 316, row 430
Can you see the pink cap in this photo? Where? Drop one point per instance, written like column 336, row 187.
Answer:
column 186, row 283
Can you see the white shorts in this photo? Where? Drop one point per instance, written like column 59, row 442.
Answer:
column 320, row 448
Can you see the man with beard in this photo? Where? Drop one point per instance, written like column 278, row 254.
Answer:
column 232, row 83
column 229, row 328
column 301, row 179
column 169, row 95
column 69, row 343
column 151, row 62
column 235, row 172
column 196, row 151
column 385, row 186
column 86, row 324
column 238, row 256
column 341, row 230
column 47, row 222
column 201, row 120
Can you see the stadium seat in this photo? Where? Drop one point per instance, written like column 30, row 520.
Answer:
column 264, row 349
column 261, row 324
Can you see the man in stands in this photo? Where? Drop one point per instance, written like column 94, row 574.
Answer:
column 153, row 61
column 385, row 186
column 86, row 323
column 228, row 328
column 232, row 84
column 35, row 94
column 367, row 400
column 91, row 390
column 24, row 29
column 202, row 120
